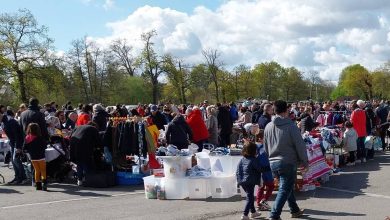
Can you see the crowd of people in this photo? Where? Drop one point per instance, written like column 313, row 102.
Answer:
column 279, row 145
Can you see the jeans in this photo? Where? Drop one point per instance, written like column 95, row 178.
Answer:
column 81, row 171
column 250, row 199
column 286, row 175
column 351, row 158
column 17, row 164
column 361, row 149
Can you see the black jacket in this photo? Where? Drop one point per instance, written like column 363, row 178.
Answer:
column 307, row 123
column 35, row 146
column 33, row 115
column 255, row 116
column 83, row 142
column 100, row 118
column 14, row 133
column 225, row 123
column 159, row 120
column 178, row 132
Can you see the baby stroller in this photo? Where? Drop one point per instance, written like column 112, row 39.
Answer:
column 57, row 159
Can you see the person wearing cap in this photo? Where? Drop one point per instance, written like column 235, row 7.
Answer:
column 157, row 117
column 167, row 113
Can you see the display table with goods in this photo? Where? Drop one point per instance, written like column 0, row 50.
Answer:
column 204, row 175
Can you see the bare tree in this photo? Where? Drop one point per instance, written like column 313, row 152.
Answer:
column 213, row 65
column 314, row 79
column 25, row 43
column 122, row 52
column 152, row 64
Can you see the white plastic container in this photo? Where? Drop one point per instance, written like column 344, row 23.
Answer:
column 175, row 188
column 223, row 187
column 235, row 161
column 176, row 166
column 203, row 160
column 150, row 187
column 222, row 165
column 199, row 188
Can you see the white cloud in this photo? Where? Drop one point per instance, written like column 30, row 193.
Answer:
column 108, row 4
column 311, row 35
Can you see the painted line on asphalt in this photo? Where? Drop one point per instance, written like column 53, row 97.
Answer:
column 70, row 200
column 356, row 192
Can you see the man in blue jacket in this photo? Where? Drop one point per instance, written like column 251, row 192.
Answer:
column 286, row 150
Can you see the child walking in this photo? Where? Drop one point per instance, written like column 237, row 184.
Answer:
column 35, row 145
column 248, row 176
column 265, row 191
column 350, row 142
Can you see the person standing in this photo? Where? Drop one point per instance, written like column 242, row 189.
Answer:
column 14, row 133
column 286, row 150
column 200, row 133
column 33, row 115
column 157, row 117
column 358, row 119
column 265, row 118
column 212, row 125
column 382, row 112
column 248, row 176
column 350, row 142
column 84, row 116
column 83, row 141
column 100, row 117
column 225, row 125
column 35, row 145
column 178, row 132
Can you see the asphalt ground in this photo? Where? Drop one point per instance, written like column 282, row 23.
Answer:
column 359, row 192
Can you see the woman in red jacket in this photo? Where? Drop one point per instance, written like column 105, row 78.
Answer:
column 85, row 116
column 198, row 126
column 358, row 119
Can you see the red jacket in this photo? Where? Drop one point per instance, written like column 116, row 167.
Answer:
column 358, row 119
column 198, row 126
column 83, row 119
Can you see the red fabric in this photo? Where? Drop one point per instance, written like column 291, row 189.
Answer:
column 141, row 111
column 358, row 119
column 198, row 126
column 153, row 163
column 30, row 138
column 83, row 119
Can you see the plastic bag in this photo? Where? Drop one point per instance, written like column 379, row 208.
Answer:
column 193, row 148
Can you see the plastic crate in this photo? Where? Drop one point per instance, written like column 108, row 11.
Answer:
column 129, row 179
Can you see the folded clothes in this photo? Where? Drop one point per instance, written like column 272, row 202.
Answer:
column 197, row 171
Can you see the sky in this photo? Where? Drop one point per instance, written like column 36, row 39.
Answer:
column 320, row 35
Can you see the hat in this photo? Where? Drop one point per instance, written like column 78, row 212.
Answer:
column 205, row 102
column 154, row 108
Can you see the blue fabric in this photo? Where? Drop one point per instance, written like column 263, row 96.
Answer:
column 263, row 121
column 264, row 162
column 286, row 175
column 233, row 114
column 250, row 199
column 248, row 171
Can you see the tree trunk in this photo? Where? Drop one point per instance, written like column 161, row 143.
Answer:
column 22, row 86
column 155, row 91
column 216, row 90
column 183, row 93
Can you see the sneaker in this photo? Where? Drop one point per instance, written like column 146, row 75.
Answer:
column 358, row 161
column 13, row 182
column 364, row 160
column 255, row 215
column 275, row 219
column 22, row 182
column 79, row 183
column 297, row 214
column 349, row 164
column 244, row 217
column 266, row 206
